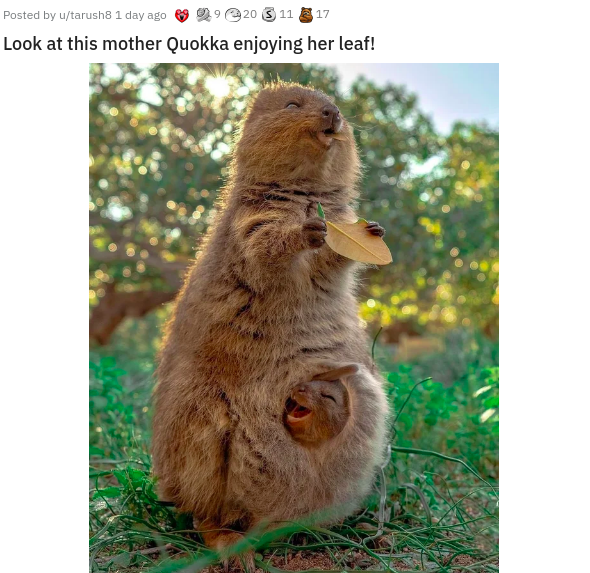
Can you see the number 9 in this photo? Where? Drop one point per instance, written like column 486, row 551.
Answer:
column 217, row 13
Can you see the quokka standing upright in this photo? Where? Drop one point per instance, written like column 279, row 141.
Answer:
column 266, row 306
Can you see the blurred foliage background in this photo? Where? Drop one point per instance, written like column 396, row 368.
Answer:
column 160, row 140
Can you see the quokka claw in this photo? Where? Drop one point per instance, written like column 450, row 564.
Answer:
column 315, row 232
column 375, row 229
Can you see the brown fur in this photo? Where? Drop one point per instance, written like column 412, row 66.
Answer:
column 266, row 305
column 317, row 410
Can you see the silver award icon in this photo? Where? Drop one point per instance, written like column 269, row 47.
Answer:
column 269, row 15
column 203, row 14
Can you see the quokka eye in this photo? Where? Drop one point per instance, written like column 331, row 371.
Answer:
column 329, row 397
column 292, row 104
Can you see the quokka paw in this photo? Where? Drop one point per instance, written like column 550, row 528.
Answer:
column 314, row 232
column 243, row 562
column 375, row 229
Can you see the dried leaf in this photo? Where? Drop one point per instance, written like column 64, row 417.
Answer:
column 338, row 136
column 352, row 240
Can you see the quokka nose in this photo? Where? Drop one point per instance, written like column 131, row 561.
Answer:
column 332, row 113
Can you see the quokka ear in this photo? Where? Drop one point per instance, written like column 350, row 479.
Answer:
column 337, row 373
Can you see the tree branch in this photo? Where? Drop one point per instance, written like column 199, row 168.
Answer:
column 170, row 269
column 115, row 306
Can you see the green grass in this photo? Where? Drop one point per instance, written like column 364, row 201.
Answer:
column 437, row 506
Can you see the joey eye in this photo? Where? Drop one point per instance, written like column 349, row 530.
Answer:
column 292, row 104
column 329, row 397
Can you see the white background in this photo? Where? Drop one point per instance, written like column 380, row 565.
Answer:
column 545, row 150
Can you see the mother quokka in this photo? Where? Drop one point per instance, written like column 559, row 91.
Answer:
column 266, row 306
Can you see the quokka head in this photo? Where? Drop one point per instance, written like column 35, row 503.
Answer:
column 291, row 132
column 318, row 410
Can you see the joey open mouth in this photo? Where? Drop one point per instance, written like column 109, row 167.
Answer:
column 295, row 411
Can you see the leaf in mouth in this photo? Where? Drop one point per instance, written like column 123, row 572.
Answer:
column 338, row 136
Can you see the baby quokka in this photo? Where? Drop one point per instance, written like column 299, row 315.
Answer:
column 317, row 410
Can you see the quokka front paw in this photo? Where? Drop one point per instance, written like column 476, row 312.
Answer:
column 375, row 229
column 314, row 232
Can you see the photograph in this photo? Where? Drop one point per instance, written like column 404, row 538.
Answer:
column 293, row 316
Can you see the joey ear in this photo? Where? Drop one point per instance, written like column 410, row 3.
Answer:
column 337, row 373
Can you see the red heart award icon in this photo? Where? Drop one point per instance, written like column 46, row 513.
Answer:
column 181, row 15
